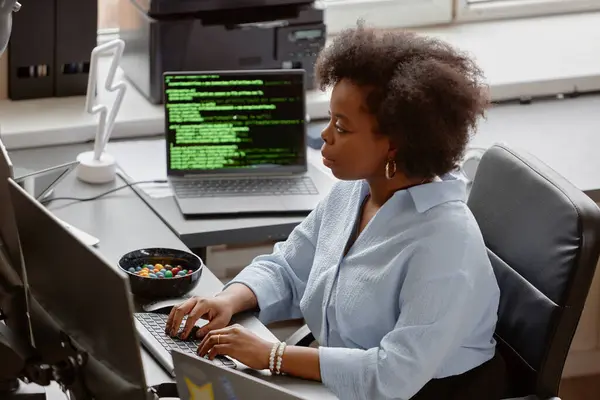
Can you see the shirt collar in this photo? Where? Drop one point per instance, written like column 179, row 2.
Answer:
column 449, row 188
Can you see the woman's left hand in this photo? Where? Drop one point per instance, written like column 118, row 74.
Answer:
column 239, row 343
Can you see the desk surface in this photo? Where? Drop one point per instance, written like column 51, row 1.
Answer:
column 123, row 223
column 197, row 232
column 565, row 134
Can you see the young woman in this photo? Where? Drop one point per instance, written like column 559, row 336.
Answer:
column 390, row 271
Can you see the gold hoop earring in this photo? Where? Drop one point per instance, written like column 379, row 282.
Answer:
column 390, row 169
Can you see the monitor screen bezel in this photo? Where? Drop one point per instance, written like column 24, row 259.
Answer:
column 13, row 279
column 64, row 318
column 302, row 166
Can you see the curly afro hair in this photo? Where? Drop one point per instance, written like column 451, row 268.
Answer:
column 426, row 96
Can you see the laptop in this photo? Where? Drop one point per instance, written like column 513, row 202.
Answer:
column 199, row 379
column 151, row 331
column 236, row 143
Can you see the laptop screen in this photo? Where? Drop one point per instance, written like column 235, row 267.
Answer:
column 234, row 121
column 198, row 379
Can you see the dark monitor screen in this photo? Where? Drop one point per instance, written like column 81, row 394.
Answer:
column 86, row 297
column 228, row 121
column 8, row 229
column 13, row 296
column 37, row 183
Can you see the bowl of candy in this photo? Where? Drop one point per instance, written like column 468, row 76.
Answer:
column 157, row 273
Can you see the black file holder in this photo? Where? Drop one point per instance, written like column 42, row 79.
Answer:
column 50, row 48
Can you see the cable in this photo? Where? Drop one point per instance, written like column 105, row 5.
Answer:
column 127, row 185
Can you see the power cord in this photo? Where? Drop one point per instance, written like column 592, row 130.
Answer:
column 127, row 185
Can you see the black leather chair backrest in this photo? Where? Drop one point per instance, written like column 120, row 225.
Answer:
column 542, row 235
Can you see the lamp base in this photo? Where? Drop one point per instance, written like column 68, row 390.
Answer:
column 103, row 170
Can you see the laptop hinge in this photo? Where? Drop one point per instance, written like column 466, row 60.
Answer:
column 236, row 176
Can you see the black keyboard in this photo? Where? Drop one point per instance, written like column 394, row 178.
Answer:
column 193, row 188
column 155, row 324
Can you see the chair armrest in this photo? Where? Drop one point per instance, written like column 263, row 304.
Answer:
column 302, row 337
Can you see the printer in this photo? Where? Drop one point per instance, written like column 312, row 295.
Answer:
column 217, row 35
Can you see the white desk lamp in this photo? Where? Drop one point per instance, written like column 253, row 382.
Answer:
column 97, row 166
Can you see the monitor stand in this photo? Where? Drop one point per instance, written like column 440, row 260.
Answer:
column 12, row 388
column 14, row 354
column 17, row 360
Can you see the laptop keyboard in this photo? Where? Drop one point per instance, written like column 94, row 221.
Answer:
column 155, row 324
column 244, row 187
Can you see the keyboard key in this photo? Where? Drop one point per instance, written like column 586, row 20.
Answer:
column 244, row 187
column 155, row 323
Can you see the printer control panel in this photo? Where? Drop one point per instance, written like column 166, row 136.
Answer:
column 298, row 46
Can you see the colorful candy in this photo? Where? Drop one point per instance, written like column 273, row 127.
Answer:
column 159, row 271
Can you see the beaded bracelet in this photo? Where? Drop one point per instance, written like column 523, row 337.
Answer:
column 272, row 357
column 280, row 358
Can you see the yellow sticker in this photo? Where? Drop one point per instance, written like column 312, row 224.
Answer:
column 204, row 392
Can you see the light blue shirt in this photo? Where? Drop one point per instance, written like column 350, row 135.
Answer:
column 415, row 298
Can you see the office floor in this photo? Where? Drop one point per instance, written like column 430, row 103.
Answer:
column 583, row 388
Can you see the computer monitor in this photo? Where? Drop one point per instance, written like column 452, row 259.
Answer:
column 235, row 121
column 86, row 304
column 13, row 301
column 12, row 279
column 40, row 184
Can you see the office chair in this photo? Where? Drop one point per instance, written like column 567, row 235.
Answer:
column 543, row 239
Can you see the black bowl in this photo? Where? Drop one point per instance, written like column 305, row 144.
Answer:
column 155, row 288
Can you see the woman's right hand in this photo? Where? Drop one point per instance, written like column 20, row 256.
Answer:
column 217, row 310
